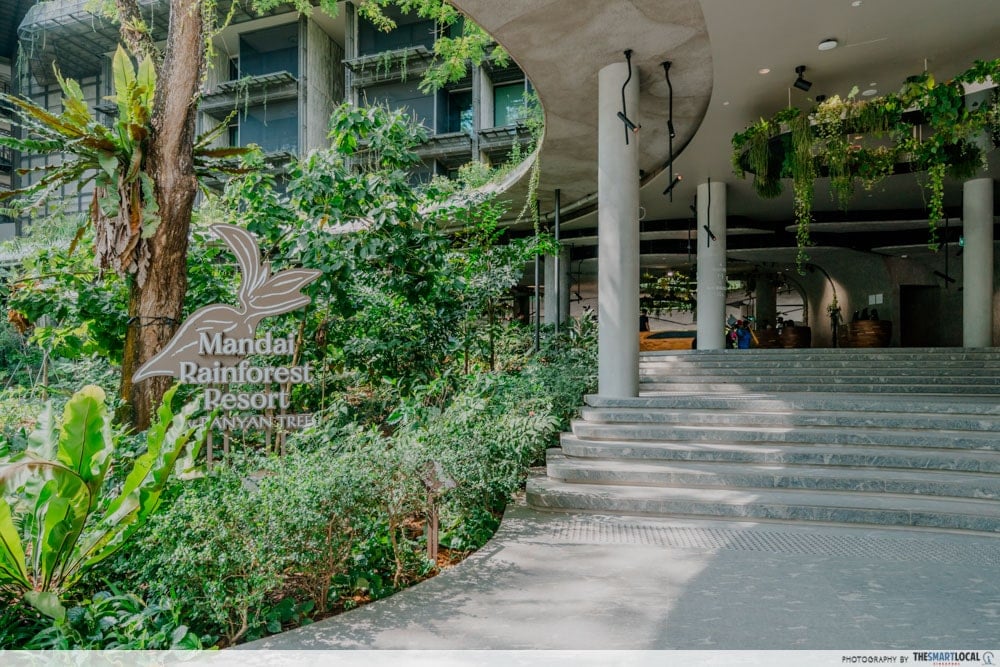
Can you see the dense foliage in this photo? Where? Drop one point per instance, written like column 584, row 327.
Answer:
column 58, row 519
column 865, row 140
column 431, row 408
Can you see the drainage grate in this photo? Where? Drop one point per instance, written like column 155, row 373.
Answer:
column 845, row 546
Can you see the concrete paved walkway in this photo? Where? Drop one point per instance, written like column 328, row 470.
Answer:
column 575, row 581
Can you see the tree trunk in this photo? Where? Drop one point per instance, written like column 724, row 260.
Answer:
column 156, row 306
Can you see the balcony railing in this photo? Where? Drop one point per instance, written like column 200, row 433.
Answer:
column 6, row 157
column 249, row 91
column 497, row 142
column 389, row 66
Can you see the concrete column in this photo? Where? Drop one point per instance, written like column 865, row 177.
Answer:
column 551, row 290
column 557, row 301
column 350, row 50
column 977, row 263
column 565, row 283
column 767, row 301
column 618, row 236
column 711, row 266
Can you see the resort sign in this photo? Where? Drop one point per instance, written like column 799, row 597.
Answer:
column 212, row 346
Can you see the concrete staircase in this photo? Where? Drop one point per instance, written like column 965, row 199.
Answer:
column 888, row 437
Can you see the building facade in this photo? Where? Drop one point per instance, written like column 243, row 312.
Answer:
column 275, row 79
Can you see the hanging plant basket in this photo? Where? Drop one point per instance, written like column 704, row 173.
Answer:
column 851, row 141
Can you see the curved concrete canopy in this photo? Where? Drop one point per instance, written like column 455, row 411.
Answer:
column 562, row 45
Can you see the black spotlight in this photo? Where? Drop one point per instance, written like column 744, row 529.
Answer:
column 708, row 231
column 673, row 184
column 623, row 114
column 800, row 81
column 628, row 123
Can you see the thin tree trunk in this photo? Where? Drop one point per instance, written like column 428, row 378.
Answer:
column 155, row 307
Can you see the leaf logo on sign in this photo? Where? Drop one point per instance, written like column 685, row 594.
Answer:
column 261, row 294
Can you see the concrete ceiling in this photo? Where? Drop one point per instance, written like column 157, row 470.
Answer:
column 717, row 48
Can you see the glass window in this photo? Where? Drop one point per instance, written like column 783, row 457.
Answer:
column 403, row 95
column 460, row 111
column 508, row 104
column 409, row 31
column 273, row 126
column 270, row 50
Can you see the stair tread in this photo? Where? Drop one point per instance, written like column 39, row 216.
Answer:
column 792, row 417
column 777, row 447
column 790, row 497
column 857, row 431
column 839, row 401
column 722, row 467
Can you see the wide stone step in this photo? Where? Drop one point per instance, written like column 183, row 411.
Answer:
column 776, row 402
column 681, row 364
column 742, row 385
column 788, row 435
column 831, row 455
column 755, row 418
column 825, row 377
column 778, row 370
column 811, row 354
column 768, row 504
column 772, row 476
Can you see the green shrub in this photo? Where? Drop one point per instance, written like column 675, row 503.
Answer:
column 57, row 518
column 256, row 532
column 118, row 622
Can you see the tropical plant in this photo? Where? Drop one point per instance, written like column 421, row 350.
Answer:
column 57, row 519
column 123, row 209
column 118, row 621
column 831, row 140
column 126, row 205
column 460, row 42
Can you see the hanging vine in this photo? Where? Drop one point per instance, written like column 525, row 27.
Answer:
column 830, row 141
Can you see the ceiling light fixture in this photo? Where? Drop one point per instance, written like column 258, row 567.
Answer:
column 673, row 184
column 623, row 114
column 764, row 70
column 671, row 133
column 800, row 81
column 869, row 92
column 828, row 44
column 670, row 99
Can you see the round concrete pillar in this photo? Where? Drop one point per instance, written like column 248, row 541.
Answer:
column 551, row 290
column 565, row 283
column 618, row 235
column 711, row 265
column 977, row 263
column 766, row 294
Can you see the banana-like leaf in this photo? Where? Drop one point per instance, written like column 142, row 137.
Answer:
column 140, row 496
column 109, row 162
column 47, row 603
column 12, row 569
column 60, row 505
column 75, row 109
column 43, row 117
column 146, row 82
column 85, row 442
column 123, row 75
column 44, row 440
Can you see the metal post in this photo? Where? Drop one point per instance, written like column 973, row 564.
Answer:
column 556, row 264
column 538, row 277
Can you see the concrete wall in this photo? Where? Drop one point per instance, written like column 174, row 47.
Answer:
column 322, row 85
